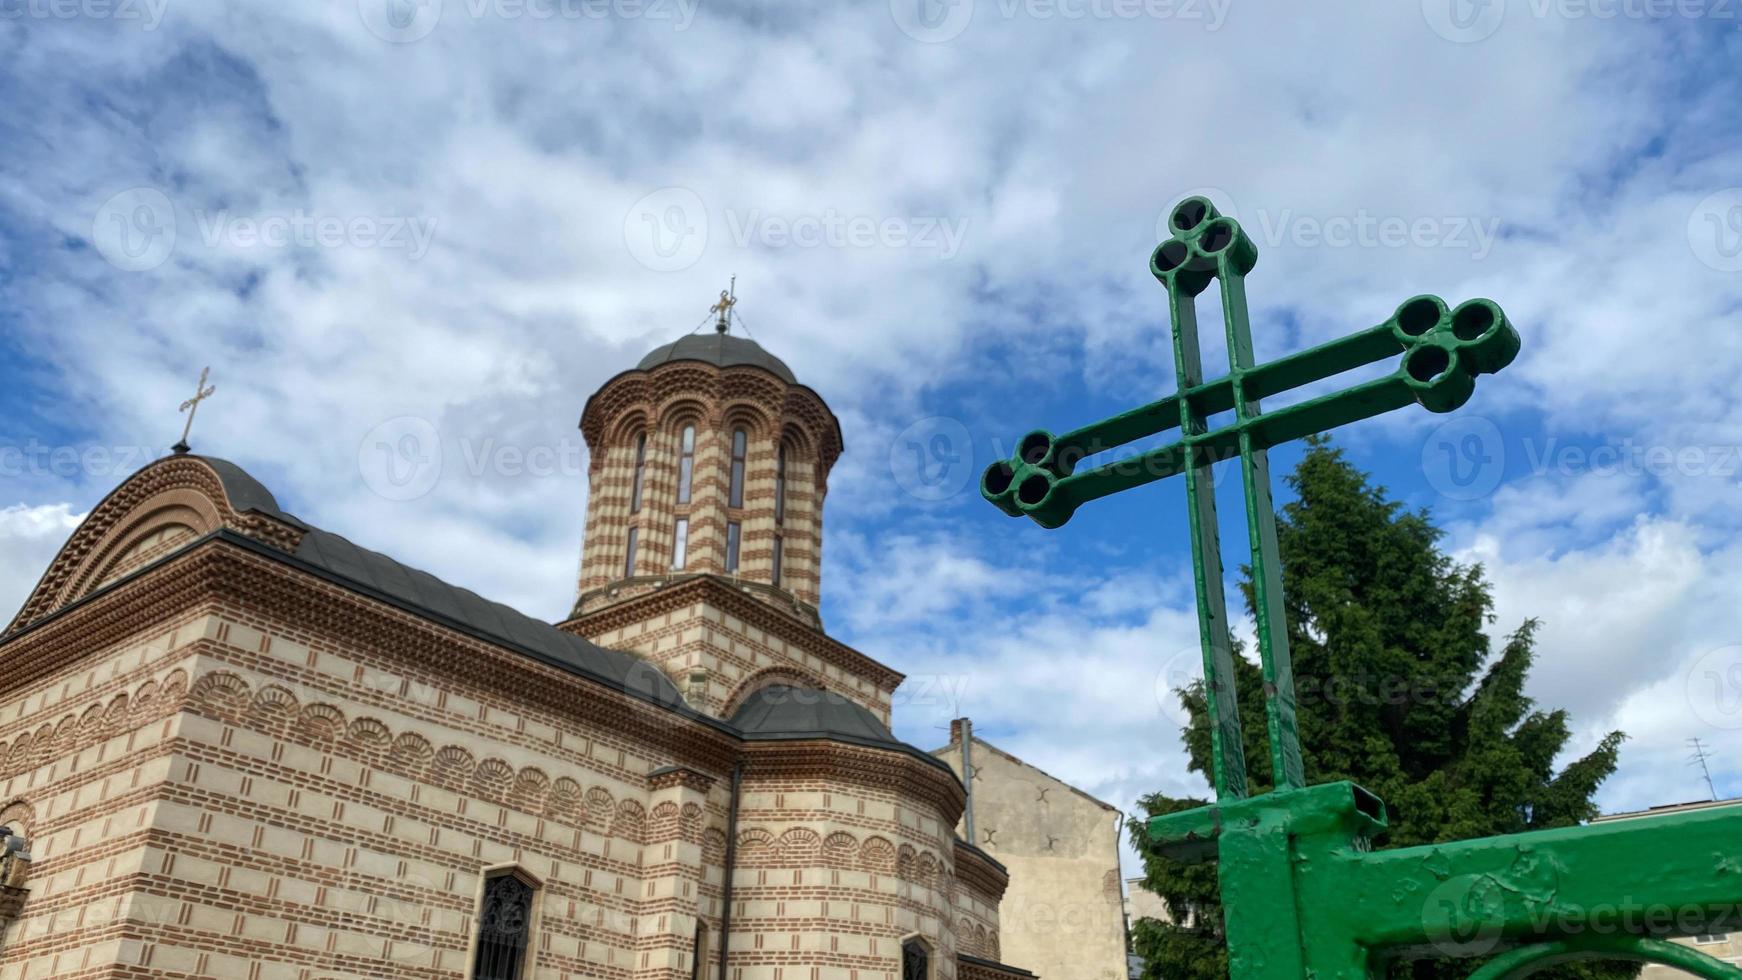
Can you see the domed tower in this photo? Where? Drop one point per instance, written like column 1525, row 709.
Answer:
column 709, row 466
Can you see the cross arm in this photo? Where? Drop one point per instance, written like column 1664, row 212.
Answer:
column 1443, row 351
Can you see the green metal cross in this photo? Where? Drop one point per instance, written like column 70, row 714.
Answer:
column 1303, row 892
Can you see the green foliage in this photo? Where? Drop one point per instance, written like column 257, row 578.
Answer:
column 1398, row 692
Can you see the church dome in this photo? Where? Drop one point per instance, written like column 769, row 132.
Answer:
column 720, row 350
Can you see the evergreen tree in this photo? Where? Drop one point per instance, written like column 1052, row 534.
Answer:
column 1397, row 693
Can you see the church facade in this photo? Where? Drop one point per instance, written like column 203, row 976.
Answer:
column 234, row 744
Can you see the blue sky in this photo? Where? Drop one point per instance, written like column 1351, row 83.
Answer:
column 461, row 216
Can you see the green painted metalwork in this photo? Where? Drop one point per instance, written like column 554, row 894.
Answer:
column 1304, row 894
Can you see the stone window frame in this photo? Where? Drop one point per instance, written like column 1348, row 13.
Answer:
column 533, row 917
column 932, row 954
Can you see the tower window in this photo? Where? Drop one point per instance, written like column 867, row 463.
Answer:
column 629, row 556
column 504, row 919
column 680, row 543
column 686, row 464
column 777, row 553
column 780, row 486
column 640, row 472
column 915, row 961
column 734, row 534
column 740, row 441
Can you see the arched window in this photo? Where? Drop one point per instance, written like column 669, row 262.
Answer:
column 915, row 961
column 629, row 557
column 735, row 493
column 504, row 919
column 640, row 472
column 734, row 538
column 686, row 463
column 680, row 543
column 780, row 486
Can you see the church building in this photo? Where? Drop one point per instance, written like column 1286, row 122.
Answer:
column 234, row 744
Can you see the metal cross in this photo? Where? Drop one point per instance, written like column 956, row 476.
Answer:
column 1443, row 350
column 202, row 391
column 728, row 299
column 1305, row 895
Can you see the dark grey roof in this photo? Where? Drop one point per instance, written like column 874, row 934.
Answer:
column 245, row 492
column 779, row 712
column 1016, row 971
column 720, row 349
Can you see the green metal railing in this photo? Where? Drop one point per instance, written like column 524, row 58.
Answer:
column 1303, row 892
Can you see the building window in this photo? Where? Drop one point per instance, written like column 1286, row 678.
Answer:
column 777, row 555
column 504, row 919
column 640, row 472
column 680, row 543
column 780, row 486
column 699, row 953
column 686, row 464
column 915, row 961
column 629, row 556
column 735, row 495
column 1707, row 938
column 734, row 533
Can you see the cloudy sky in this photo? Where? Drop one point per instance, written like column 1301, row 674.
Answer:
column 393, row 217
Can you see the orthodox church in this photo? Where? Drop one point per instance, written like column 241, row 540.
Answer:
column 234, row 744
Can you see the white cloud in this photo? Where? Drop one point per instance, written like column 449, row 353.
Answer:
column 30, row 536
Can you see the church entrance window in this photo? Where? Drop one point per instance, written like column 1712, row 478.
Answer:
column 504, row 918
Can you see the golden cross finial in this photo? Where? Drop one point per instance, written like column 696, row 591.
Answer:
column 728, row 299
column 202, row 391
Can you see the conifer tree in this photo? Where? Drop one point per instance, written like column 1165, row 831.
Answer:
column 1398, row 692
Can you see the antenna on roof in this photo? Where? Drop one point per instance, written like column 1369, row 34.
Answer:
column 728, row 299
column 1699, row 759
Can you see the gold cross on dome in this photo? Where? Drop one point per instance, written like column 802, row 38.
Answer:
column 202, row 391
column 728, row 299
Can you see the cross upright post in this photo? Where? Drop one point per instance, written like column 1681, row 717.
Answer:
column 1304, row 893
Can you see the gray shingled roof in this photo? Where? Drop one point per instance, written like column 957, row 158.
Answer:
column 783, row 712
column 720, row 349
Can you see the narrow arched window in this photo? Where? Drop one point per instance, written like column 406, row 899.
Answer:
column 504, row 919
column 778, row 548
column 734, row 540
column 629, row 557
column 686, row 463
column 640, row 473
column 780, row 486
column 740, row 442
column 915, row 961
column 680, row 543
